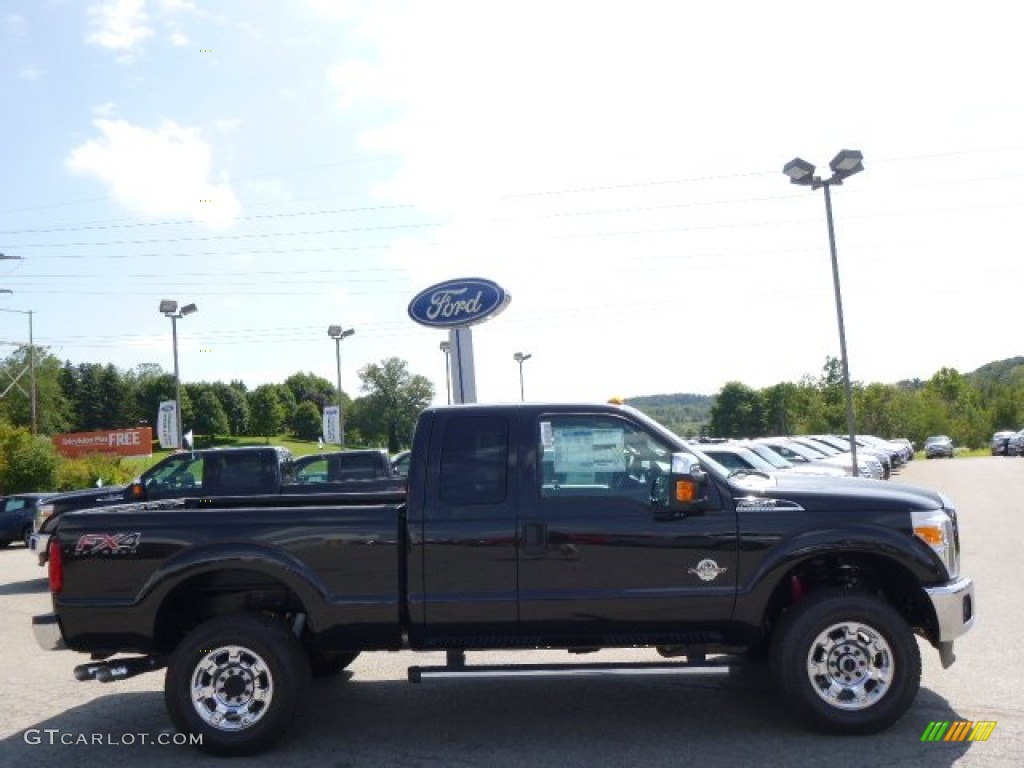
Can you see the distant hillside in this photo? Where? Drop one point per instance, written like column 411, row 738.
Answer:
column 683, row 413
column 1009, row 371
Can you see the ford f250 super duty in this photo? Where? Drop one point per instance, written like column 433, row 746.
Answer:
column 528, row 526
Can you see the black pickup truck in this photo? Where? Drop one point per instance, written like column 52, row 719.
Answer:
column 528, row 526
column 229, row 472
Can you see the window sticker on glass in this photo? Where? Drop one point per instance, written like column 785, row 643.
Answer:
column 547, row 437
column 590, row 450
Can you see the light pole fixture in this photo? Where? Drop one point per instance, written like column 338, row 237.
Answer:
column 33, row 397
column 336, row 333
column 170, row 309
column 446, row 347
column 843, row 165
column 521, row 358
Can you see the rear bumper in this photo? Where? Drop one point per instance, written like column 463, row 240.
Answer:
column 46, row 629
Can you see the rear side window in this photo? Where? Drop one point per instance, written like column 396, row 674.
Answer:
column 474, row 461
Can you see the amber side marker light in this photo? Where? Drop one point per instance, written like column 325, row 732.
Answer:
column 931, row 534
column 685, row 490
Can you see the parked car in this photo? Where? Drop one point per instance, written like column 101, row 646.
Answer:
column 400, row 463
column 17, row 513
column 907, row 444
column 938, row 445
column 801, row 454
column 804, row 468
column 1015, row 445
column 999, row 441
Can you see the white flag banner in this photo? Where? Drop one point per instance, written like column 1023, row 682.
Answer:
column 332, row 425
column 167, row 424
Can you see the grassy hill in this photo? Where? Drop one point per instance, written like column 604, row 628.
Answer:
column 683, row 413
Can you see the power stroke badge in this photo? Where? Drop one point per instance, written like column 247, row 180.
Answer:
column 707, row 570
column 108, row 544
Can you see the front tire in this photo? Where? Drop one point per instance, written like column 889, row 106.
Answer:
column 847, row 661
column 236, row 681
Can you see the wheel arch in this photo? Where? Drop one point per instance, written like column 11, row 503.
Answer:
column 886, row 576
column 184, row 594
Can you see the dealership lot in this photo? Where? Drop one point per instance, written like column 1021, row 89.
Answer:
column 373, row 717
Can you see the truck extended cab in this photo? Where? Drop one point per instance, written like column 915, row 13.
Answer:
column 525, row 526
column 365, row 471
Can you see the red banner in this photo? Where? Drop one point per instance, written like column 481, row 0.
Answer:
column 123, row 442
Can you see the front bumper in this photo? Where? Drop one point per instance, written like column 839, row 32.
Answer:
column 46, row 629
column 39, row 545
column 954, row 608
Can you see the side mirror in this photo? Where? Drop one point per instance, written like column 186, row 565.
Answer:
column 683, row 491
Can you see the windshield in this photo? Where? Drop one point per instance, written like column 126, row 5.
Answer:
column 770, row 456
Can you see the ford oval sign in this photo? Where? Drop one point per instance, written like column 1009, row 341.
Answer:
column 458, row 303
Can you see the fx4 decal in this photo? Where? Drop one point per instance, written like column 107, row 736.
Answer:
column 108, row 544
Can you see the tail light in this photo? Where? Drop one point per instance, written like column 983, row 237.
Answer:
column 56, row 566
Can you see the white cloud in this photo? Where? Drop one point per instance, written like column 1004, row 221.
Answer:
column 335, row 9
column 160, row 173
column 227, row 124
column 30, row 73
column 179, row 39
column 106, row 109
column 120, row 25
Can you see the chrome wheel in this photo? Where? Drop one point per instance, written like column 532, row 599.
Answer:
column 232, row 688
column 850, row 666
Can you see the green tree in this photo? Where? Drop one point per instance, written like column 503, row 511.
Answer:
column 53, row 411
column 286, row 398
column 737, row 412
column 393, row 401
column 307, row 423
column 308, row 387
column 27, row 463
column 266, row 415
column 235, row 405
column 210, row 419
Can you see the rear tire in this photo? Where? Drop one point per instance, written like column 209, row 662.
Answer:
column 846, row 661
column 26, row 534
column 236, row 681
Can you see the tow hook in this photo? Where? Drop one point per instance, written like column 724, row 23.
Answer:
column 119, row 669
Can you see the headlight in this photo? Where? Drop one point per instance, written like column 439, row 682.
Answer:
column 935, row 528
column 43, row 512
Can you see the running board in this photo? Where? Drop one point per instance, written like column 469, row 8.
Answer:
column 419, row 674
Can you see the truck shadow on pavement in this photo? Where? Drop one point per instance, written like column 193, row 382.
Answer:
column 29, row 587
column 650, row 722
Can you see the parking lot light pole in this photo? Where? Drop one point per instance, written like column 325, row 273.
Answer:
column 446, row 347
column 843, row 165
column 520, row 358
column 170, row 309
column 336, row 333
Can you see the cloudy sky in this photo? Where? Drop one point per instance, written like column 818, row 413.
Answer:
column 615, row 166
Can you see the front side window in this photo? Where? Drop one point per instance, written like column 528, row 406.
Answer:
column 474, row 461
column 599, row 456
column 180, row 473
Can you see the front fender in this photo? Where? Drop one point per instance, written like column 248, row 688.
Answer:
column 899, row 548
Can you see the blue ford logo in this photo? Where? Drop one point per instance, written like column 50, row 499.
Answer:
column 458, row 303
